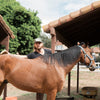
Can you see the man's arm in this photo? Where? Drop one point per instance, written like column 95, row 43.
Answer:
column 19, row 56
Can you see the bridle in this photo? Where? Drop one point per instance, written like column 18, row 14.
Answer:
column 85, row 55
column 91, row 59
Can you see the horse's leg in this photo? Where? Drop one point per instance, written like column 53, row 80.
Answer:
column 39, row 96
column 51, row 95
column 2, row 87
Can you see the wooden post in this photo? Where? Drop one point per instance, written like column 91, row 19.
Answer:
column 78, row 78
column 53, row 38
column 6, row 43
column 69, row 82
column 5, row 93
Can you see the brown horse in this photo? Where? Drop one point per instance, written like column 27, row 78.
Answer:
column 45, row 74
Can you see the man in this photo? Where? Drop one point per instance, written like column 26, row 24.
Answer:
column 38, row 51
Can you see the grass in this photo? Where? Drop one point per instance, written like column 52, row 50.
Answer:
column 0, row 98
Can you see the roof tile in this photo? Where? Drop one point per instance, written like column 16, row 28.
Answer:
column 71, row 16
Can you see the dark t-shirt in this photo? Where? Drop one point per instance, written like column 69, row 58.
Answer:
column 36, row 54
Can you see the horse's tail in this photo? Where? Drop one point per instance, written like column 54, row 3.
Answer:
column 4, row 52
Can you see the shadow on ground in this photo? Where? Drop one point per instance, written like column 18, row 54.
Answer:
column 63, row 93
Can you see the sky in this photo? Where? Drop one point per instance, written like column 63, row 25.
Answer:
column 50, row 10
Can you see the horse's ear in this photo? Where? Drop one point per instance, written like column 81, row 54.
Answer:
column 78, row 43
column 83, row 44
column 4, row 52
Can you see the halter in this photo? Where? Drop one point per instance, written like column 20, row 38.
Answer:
column 85, row 55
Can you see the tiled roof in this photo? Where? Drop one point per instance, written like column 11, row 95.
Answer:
column 78, row 26
column 71, row 16
column 5, row 28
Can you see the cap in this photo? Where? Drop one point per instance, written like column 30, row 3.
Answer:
column 38, row 40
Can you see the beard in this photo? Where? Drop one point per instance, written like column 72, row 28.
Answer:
column 38, row 49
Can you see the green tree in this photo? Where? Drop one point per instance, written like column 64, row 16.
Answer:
column 46, row 40
column 24, row 23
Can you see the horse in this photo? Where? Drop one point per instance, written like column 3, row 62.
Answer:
column 44, row 74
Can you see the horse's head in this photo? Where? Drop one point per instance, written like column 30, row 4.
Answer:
column 86, row 56
column 4, row 52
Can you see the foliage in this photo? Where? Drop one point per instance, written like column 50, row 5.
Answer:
column 2, row 47
column 46, row 40
column 24, row 23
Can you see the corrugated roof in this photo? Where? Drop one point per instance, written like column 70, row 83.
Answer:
column 81, row 25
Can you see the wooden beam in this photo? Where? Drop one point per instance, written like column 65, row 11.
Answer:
column 53, row 38
column 5, row 93
column 5, row 42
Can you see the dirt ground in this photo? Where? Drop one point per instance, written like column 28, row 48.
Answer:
column 87, row 78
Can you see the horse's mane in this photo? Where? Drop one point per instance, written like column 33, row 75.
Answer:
column 64, row 57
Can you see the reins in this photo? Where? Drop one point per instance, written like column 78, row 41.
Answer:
column 85, row 55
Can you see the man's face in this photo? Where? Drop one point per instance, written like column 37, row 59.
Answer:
column 39, row 45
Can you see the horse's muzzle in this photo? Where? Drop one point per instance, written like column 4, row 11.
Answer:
column 92, row 68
